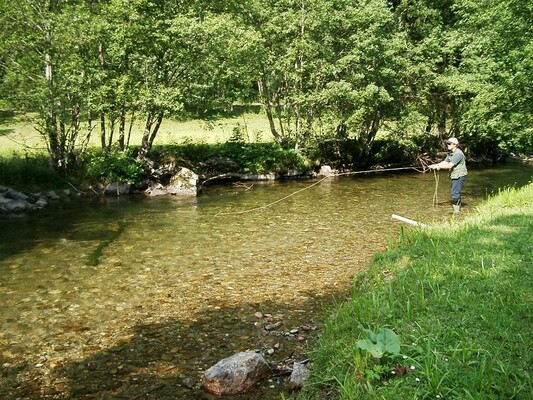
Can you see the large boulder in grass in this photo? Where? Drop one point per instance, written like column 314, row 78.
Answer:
column 237, row 374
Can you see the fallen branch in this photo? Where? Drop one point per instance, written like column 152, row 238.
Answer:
column 222, row 176
column 73, row 187
column 244, row 185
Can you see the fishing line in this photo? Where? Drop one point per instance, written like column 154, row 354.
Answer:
column 316, row 183
column 435, row 199
column 379, row 170
column 274, row 202
column 436, row 176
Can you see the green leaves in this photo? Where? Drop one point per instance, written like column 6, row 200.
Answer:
column 322, row 68
column 121, row 166
column 383, row 344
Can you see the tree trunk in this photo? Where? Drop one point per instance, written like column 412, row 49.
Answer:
column 441, row 125
column 267, row 106
column 145, row 142
column 102, row 130
column 428, row 126
column 51, row 133
column 122, row 129
column 158, row 122
column 132, row 120
column 111, row 134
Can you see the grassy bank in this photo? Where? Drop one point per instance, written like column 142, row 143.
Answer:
column 458, row 297
column 243, row 135
column 18, row 133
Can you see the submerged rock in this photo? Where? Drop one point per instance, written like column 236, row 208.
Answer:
column 258, row 177
column 11, row 206
column 15, row 195
column 237, row 374
column 117, row 189
column 54, row 196
column 156, row 190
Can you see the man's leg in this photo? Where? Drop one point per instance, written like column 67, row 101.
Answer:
column 457, row 186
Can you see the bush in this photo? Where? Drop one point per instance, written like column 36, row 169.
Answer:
column 250, row 157
column 27, row 171
column 113, row 166
column 392, row 150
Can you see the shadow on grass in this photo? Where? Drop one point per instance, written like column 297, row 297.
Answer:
column 6, row 132
column 230, row 112
column 7, row 116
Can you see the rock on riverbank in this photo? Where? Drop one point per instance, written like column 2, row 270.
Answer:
column 13, row 202
column 166, row 180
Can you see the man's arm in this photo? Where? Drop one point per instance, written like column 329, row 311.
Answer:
column 442, row 165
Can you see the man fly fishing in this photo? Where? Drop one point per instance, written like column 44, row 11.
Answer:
column 454, row 162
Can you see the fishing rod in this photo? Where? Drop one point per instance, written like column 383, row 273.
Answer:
column 381, row 170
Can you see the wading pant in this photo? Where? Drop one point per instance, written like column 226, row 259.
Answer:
column 457, row 185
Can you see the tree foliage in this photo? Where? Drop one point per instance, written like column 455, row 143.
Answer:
column 322, row 69
column 44, row 70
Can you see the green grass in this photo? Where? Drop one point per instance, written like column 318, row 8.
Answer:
column 29, row 172
column 458, row 296
column 25, row 164
column 17, row 131
column 17, row 134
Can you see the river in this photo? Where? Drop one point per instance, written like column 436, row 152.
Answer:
column 134, row 297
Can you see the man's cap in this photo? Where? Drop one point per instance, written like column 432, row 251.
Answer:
column 452, row 140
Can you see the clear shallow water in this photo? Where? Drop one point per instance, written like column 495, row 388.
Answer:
column 111, row 298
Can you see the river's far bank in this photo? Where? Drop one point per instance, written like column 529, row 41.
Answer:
column 28, row 184
column 30, row 170
column 457, row 296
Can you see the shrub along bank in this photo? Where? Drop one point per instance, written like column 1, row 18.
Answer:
column 31, row 171
column 446, row 313
column 34, row 172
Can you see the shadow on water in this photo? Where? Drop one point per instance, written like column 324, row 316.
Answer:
column 488, row 181
column 98, row 219
column 22, row 233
